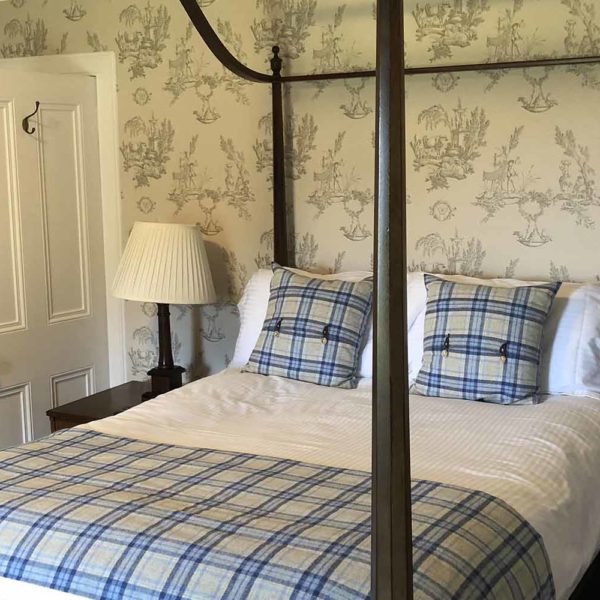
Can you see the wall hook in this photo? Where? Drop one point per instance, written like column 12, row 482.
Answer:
column 26, row 120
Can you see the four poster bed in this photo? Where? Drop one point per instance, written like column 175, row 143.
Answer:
column 260, row 486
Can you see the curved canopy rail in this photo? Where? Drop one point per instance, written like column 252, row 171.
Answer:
column 217, row 47
column 391, row 560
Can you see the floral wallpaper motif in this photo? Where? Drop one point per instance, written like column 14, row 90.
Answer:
column 503, row 165
column 529, row 185
column 142, row 41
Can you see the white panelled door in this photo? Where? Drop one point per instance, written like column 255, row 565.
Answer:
column 53, row 331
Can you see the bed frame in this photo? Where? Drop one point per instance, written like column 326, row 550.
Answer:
column 391, row 562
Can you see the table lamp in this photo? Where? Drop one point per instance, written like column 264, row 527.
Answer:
column 165, row 263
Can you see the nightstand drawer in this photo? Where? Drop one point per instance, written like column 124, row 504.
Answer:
column 97, row 406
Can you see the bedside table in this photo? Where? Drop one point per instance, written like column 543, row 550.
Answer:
column 97, row 406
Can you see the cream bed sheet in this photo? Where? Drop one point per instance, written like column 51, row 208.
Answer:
column 543, row 460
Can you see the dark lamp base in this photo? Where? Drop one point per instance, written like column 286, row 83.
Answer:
column 164, row 380
column 166, row 376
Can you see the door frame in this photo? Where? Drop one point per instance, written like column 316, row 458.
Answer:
column 102, row 66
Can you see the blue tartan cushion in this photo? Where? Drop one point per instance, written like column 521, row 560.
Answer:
column 313, row 330
column 483, row 342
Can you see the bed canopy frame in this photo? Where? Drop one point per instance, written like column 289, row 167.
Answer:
column 391, row 558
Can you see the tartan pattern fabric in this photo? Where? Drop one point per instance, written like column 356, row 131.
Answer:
column 483, row 342
column 314, row 329
column 113, row 518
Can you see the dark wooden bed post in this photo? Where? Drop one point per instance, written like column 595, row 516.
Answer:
column 391, row 557
column 281, row 239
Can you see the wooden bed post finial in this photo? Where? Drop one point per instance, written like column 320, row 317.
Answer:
column 276, row 62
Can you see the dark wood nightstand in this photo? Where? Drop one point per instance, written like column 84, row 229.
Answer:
column 98, row 406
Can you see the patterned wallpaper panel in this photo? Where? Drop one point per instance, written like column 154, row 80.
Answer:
column 452, row 31
column 503, row 167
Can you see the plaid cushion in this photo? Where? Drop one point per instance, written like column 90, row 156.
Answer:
column 314, row 329
column 483, row 342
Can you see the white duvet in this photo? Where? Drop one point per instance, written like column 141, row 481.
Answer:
column 543, row 460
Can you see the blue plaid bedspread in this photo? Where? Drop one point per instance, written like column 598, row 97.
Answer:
column 115, row 518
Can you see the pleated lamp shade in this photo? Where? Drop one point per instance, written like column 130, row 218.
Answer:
column 165, row 263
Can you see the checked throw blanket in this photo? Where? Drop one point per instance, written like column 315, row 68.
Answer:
column 114, row 518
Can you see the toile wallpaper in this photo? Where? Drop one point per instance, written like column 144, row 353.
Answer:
column 503, row 166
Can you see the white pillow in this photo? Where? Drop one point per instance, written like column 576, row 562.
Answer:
column 415, row 347
column 253, row 310
column 571, row 343
column 415, row 319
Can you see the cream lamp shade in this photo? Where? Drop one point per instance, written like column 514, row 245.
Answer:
column 165, row 263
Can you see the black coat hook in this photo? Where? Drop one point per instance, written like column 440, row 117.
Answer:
column 26, row 119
